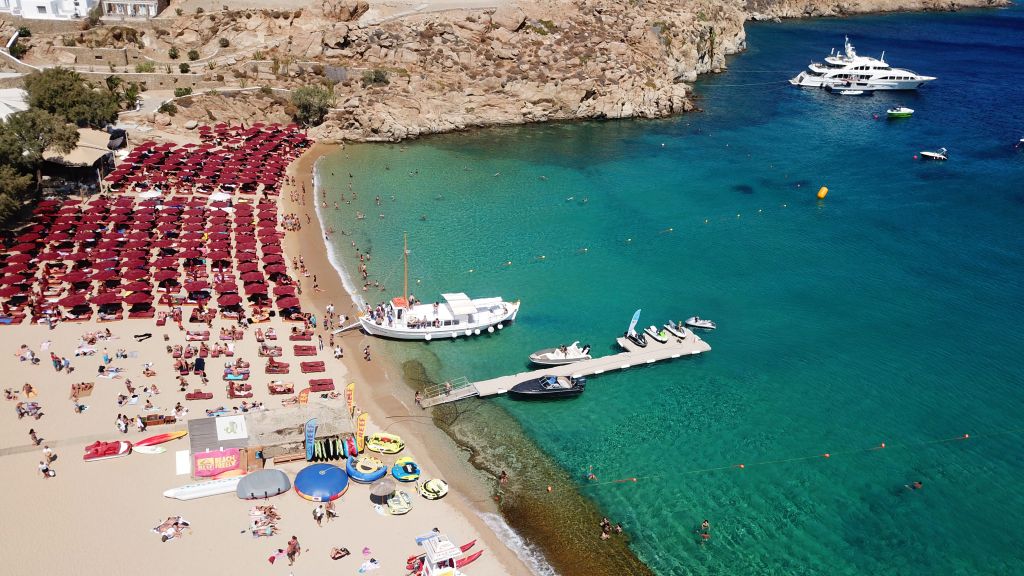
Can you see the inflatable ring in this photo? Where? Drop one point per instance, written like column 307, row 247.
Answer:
column 365, row 469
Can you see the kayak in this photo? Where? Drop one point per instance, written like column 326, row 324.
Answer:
column 161, row 438
column 106, row 450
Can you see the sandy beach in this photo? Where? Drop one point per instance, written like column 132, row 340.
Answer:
column 99, row 515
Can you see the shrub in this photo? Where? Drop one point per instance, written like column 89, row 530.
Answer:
column 168, row 108
column 200, row 10
column 266, row 90
column 193, row 54
column 145, row 67
column 179, row 92
column 375, row 77
column 184, row 68
column 17, row 50
column 173, row 53
column 179, row 11
column 223, row 42
column 24, row 32
column 312, row 104
column 68, row 41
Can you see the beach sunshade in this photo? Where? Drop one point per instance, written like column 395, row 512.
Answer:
column 255, row 288
column 288, row 302
column 73, row 300
column 284, row 290
column 383, row 487
column 13, row 279
column 104, row 275
column 223, row 287
column 135, row 274
column 197, row 286
column 321, row 482
column 76, row 276
column 229, row 300
column 106, row 298
column 263, row 484
column 139, row 298
column 162, row 275
column 253, row 277
column 10, row 290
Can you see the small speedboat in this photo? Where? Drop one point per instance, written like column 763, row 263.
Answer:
column 940, row 154
column 105, row 450
column 405, row 470
column 433, row 489
column 561, row 355
column 676, row 329
column 548, row 387
column 399, row 503
column 899, row 112
column 659, row 335
column 698, row 322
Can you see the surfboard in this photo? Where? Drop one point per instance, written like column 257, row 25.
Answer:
column 150, row 449
column 161, row 438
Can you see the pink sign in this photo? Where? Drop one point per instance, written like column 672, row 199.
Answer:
column 214, row 462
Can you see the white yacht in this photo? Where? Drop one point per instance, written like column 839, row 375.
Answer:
column 848, row 71
column 404, row 318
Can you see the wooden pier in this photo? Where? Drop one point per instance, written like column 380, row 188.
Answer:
column 632, row 355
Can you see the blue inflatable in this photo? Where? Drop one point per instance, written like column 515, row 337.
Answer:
column 365, row 469
column 406, row 470
column 321, row 482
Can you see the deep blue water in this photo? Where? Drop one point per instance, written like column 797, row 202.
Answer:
column 889, row 312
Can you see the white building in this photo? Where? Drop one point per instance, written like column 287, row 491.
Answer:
column 48, row 9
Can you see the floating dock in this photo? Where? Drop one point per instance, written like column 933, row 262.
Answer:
column 632, row 355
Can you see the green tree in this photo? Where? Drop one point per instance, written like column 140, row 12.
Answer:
column 312, row 104
column 173, row 53
column 193, row 54
column 14, row 189
column 35, row 131
column 184, row 68
column 65, row 93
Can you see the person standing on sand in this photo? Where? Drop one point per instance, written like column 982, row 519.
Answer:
column 320, row 341
column 44, row 469
column 318, row 514
column 292, row 550
column 48, row 455
column 35, row 439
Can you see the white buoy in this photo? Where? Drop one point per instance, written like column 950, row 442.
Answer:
column 500, row 326
column 427, row 337
column 455, row 334
column 490, row 329
column 476, row 332
column 469, row 332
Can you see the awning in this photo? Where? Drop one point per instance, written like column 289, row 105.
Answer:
column 460, row 304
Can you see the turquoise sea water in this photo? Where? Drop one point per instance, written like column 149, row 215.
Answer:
column 890, row 312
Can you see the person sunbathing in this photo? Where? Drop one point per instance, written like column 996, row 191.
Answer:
column 271, row 334
column 339, row 553
column 10, row 394
column 240, row 363
column 148, row 372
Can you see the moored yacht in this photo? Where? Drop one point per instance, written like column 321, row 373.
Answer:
column 849, row 71
column 405, row 318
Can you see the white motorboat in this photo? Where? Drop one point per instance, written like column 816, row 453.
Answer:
column 659, row 335
column 848, row 71
column 404, row 318
column 698, row 322
column 561, row 355
column 940, row 154
column 899, row 112
column 677, row 330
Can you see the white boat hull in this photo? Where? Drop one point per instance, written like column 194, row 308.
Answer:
column 204, row 489
column 804, row 80
column 461, row 330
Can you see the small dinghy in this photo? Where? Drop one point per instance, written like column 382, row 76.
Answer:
column 548, row 387
column 676, row 329
column 106, row 450
column 698, row 322
column 940, row 154
column 561, row 355
column 659, row 335
column 899, row 112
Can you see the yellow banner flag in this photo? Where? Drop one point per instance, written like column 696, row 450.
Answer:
column 361, row 430
column 350, row 398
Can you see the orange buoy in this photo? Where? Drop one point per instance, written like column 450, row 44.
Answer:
column 822, row 192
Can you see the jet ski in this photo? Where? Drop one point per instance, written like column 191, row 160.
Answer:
column 658, row 335
column 698, row 322
column 676, row 330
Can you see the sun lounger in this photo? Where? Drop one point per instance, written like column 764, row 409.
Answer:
column 301, row 350
column 114, row 318
column 321, row 385
column 198, row 394
column 236, row 377
column 144, row 314
column 277, row 367
column 285, row 388
column 234, row 392
column 308, row 367
column 195, row 336
column 301, row 336
column 270, row 351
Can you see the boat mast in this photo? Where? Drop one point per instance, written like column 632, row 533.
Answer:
column 405, row 276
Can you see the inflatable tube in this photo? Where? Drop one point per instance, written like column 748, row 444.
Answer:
column 365, row 469
column 406, row 470
column 336, row 446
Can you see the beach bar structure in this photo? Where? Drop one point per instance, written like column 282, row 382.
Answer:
column 246, row 441
column 631, row 356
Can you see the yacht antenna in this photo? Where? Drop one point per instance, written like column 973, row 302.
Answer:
column 883, row 57
column 405, row 258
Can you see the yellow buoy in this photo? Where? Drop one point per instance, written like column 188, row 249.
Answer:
column 822, row 192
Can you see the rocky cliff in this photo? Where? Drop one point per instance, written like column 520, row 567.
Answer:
column 534, row 61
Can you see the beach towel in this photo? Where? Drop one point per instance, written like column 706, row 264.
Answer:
column 369, row 565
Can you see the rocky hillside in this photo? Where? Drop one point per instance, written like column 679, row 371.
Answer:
column 534, row 61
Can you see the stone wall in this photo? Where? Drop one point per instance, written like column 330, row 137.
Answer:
column 156, row 81
column 101, row 56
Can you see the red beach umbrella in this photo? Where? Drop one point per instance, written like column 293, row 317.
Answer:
column 138, row 286
column 197, row 286
column 10, row 290
column 288, row 302
column 255, row 288
column 106, row 298
column 162, row 275
column 229, row 299
column 76, row 276
column 104, row 275
column 226, row 287
column 139, row 298
column 249, row 266
column 276, row 269
column 284, row 290
column 73, row 300
column 253, row 277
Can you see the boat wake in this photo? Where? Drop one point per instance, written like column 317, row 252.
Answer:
column 528, row 553
column 332, row 253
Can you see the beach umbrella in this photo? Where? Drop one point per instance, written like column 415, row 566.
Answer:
column 381, row 490
column 104, row 275
column 284, row 290
column 19, row 258
column 229, row 300
column 139, row 298
column 288, row 302
column 162, row 275
column 137, row 287
column 255, row 288
column 17, row 267
column 248, row 266
column 226, row 287
column 321, row 482
column 26, row 247
column 73, row 300
column 253, row 277
column 197, row 285
column 135, row 274
column 106, row 298
column 13, row 279
column 165, row 262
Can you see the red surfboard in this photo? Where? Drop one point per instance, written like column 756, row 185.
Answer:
column 161, row 438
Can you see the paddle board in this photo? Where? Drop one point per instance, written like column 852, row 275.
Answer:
column 161, row 438
column 203, row 489
column 150, row 449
